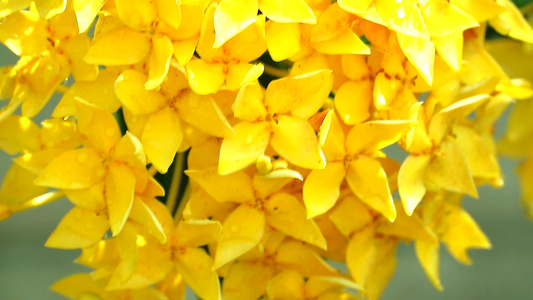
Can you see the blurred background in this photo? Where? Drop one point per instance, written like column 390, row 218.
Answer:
column 27, row 268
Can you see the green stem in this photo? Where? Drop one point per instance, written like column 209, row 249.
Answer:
column 173, row 192
column 38, row 201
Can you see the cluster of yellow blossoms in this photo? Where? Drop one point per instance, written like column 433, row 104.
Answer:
column 279, row 110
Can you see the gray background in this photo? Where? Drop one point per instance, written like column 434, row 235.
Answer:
column 27, row 268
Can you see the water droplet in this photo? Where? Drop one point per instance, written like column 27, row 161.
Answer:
column 400, row 13
column 82, row 157
column 110, row 132
column 234, row 228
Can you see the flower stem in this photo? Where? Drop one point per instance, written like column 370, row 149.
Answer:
column 38, row 201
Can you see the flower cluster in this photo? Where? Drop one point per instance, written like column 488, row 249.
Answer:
column 271, row 118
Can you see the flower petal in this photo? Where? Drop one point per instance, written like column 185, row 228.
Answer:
column 353, row 100
column 205, row 78
column 283, row 39
column 98, row 126
column 162, row 50
column 322, row 189
column 129, row 88
column 287, row 11
column 232, row 17
column 411, row 181
column 246, row 280
column 242, row 230
column 235, row 187
column 119, row 190
column 195, row 266
column 372, row 136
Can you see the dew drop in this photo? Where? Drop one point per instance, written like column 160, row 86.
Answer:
column 401, row 13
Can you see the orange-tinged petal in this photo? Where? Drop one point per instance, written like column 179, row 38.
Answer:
column 287, row 11
column 242, row 230
column 232, row 17
column 78, row 228
column 427, row 252
column 137, row 14
column 249, row 104
column 162, row 50
column 286, row 214
column 240, row 74
column 98, row 126
column 322, row 189
column 205, row 78
column 372, row 136
column 235, row 187
column 246, row 280
column 353, row 100
column 368, row 181
column 283, row 40
column 130, row 90
column 119, row 189
column 123, row 46
column 244, row 147
column 288, row 284
column 169, row 11
column 450, row 171
column 86, row 12
column 411, row 181
column 303, row 94
column 195, row 266
column 295, row 140
column 161, row 138
column 75, row 169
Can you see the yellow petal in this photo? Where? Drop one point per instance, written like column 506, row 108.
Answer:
column 75, row 48
column 322, row 189
column 235, row 187
column 368, row 181
column 19, row 134
column 299, row 257
column 450, row 171
column 303, row 94
column 240, row 74
column 421, row 53
column 321, row 284
column 283, row 40
column 129, row 88
column 428, row 256
column 195, row 266
column 119, row 189
column 411, row 181
column 353, row 100
column 232, row 17
column 162, row 50
column 286, row 214
column 295, row 140
column 346, row 42
column 450, row 48
column 137, row 14
column 372, row 136
column 17, row 186
column 384, row 266
column 78, row 228
column 512, row 23
column 49, row 8
column 403, row 17
column 205, row 78
column 75, row 169
column 463, row 233
column 98, row 126
column 161, row 138
column 98, row 92
column 246, row 280
column 249, row 104
column 197, row 233
column 287, row 11
column 481, row 10
column 355, row 6
column 244, row 147
column 126, row 246
column 86, row 11
column 288, row 284
column 360, row 255
column 13, row 6
column 242, row 230
column 169, row 11
column 142, row 214
column 184, row 50
column 203, row 113
column 443, row 18
column 123, row 46
column 350, row 215
column 249, row 44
